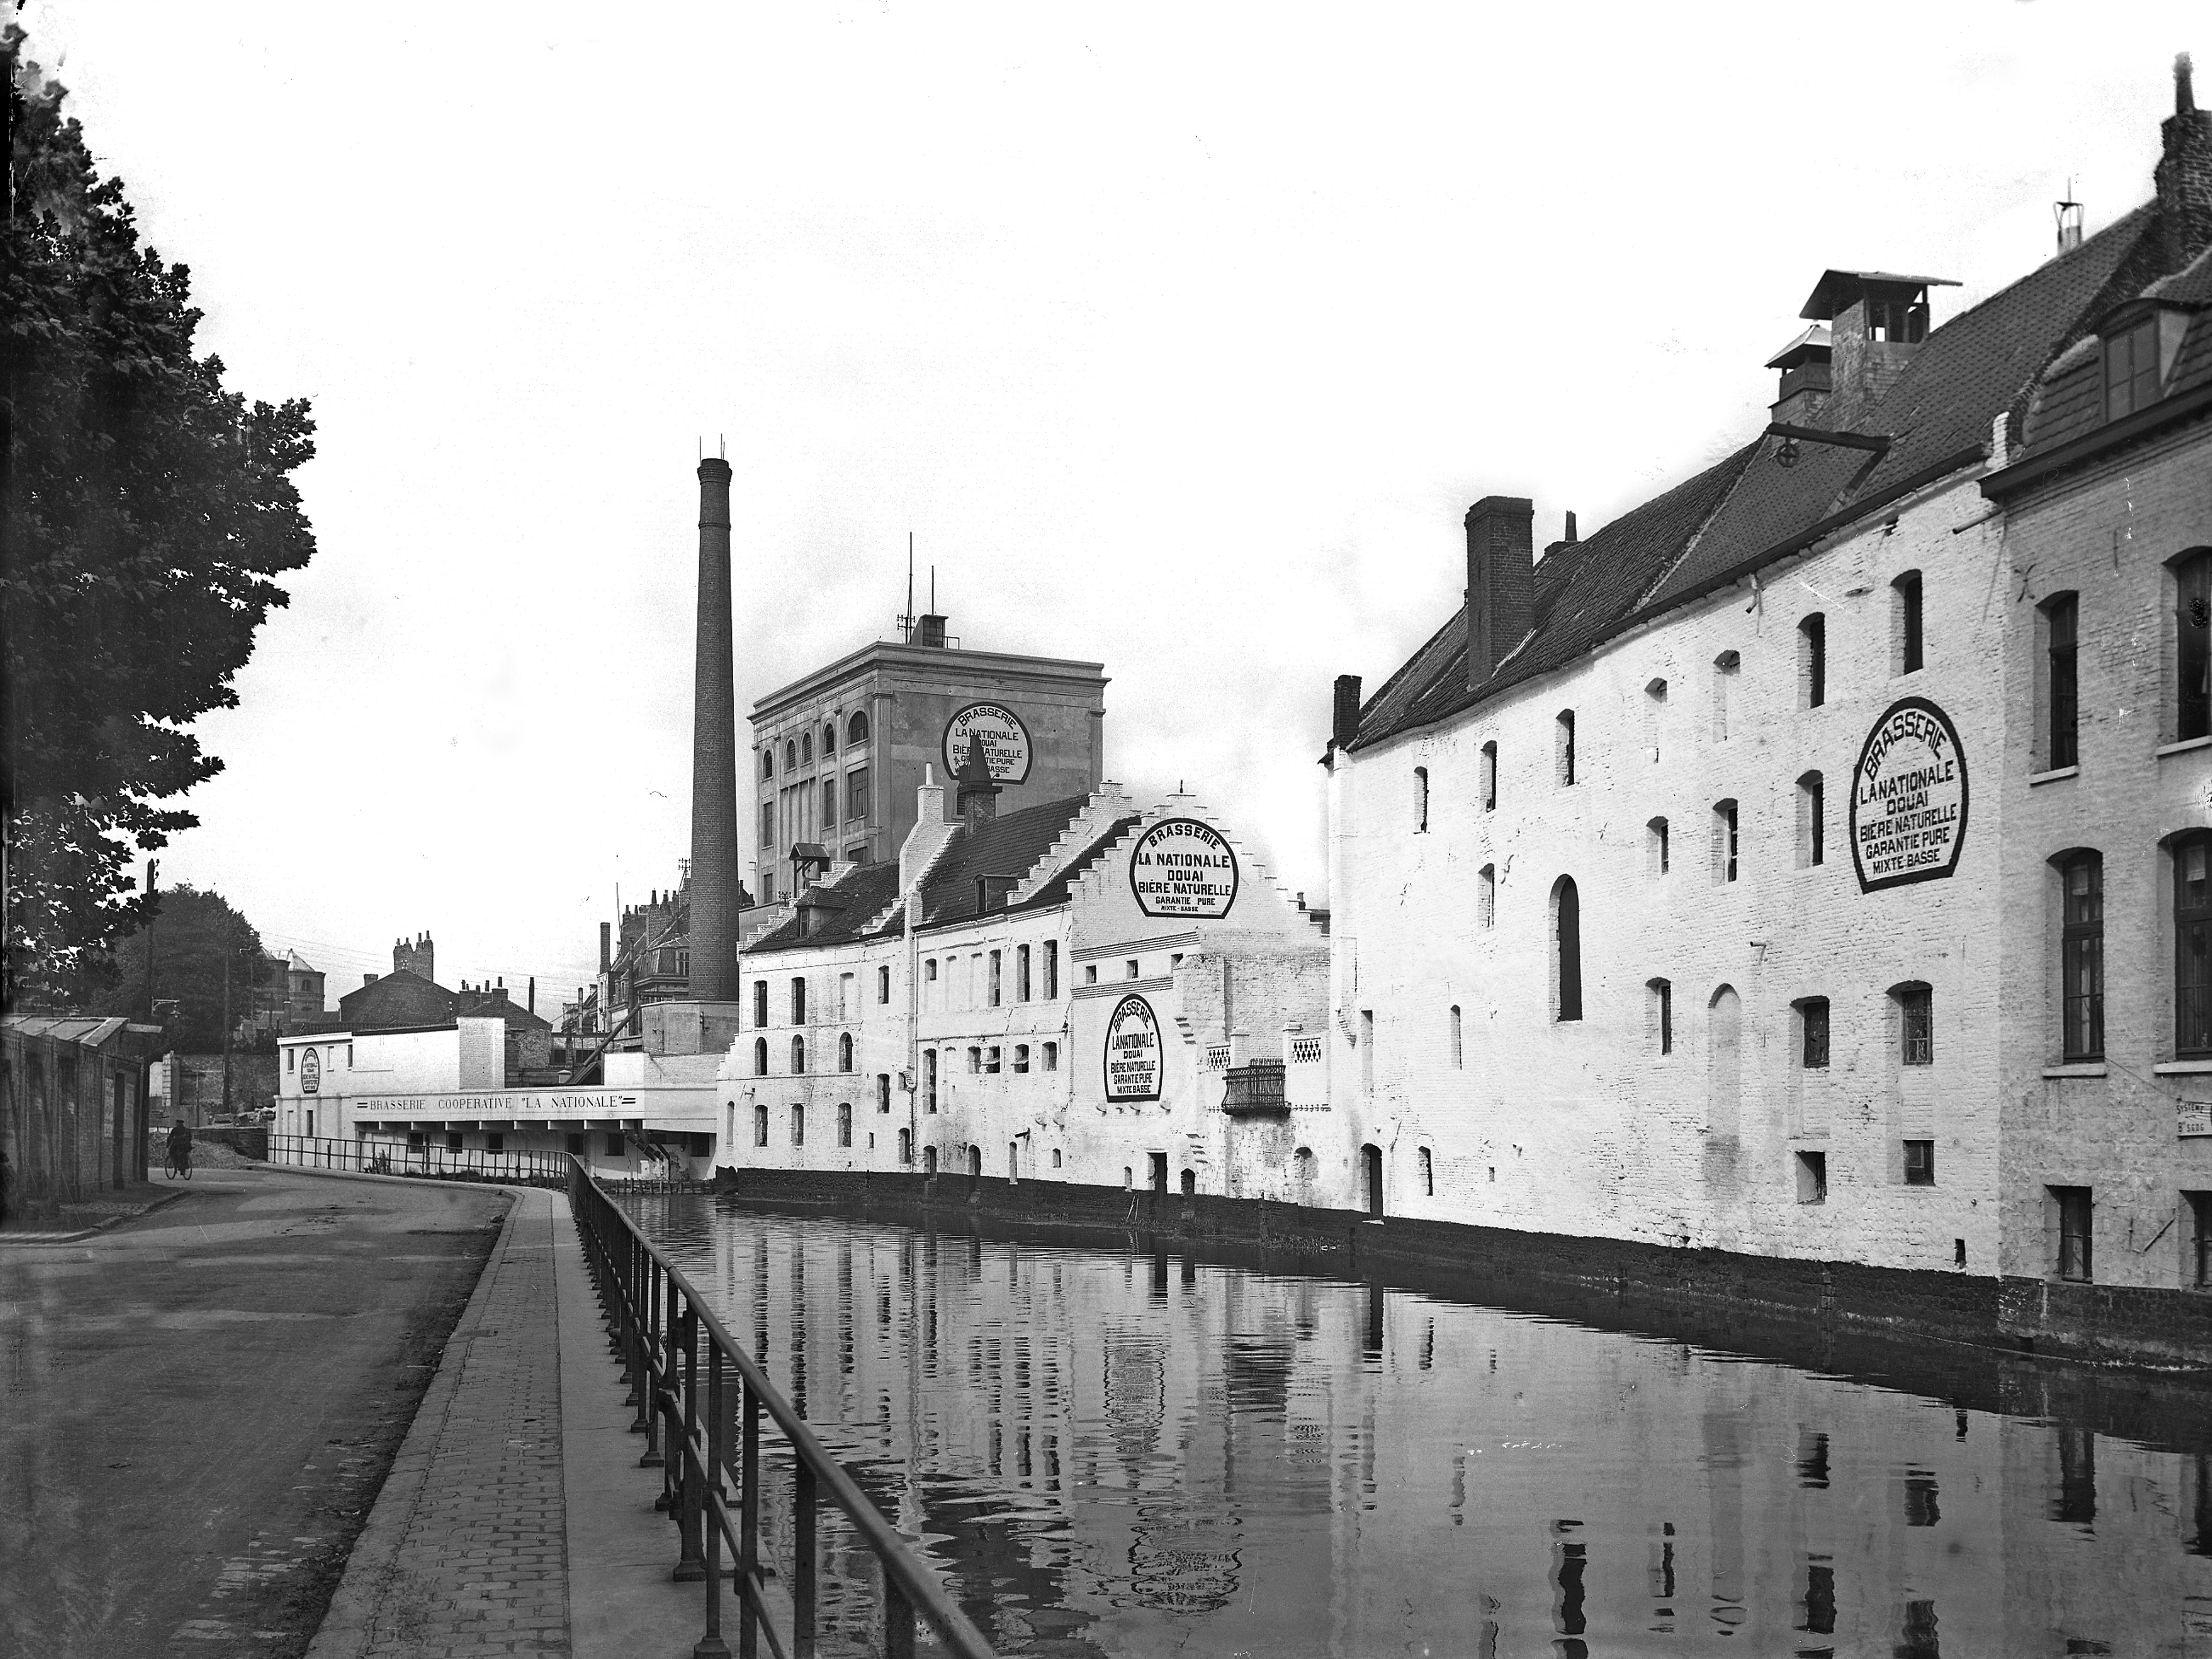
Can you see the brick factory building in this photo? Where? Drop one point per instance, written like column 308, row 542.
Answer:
column 1810, row 865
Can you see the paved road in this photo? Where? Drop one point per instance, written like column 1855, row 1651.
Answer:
column 199, row 1409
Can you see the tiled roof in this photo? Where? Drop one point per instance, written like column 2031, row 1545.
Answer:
column 2070, row 400
column 865, row 891
column 1056, row 890
column 1746, row 511
column 1009, row 846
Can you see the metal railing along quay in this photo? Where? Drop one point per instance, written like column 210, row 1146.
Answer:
column 700, row 1401
column 382, row 1158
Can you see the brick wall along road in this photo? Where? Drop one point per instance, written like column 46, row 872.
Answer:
column 199, row 1410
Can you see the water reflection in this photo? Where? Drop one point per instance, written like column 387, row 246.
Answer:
column 1117, row 1451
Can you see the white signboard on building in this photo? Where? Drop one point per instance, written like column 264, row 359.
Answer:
column 2193, row 1118
column 1006, row 741
column 1180, row 867
column 1132, row 1052
column 512, row 1104
column 1908, row 811
column 311, row 1071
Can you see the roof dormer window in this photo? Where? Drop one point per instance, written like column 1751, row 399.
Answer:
column 2131, row 368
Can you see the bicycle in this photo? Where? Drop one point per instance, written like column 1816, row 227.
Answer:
column 173, row 1170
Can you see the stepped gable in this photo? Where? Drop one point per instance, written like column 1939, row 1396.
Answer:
column 1746, row 511
column 868, row 890
column 1070, row 875
column 1080, row 839
column 1009, row 846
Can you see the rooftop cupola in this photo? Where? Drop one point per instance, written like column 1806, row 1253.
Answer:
column 976, row 802
column 1877, row 321
column 1803, row 391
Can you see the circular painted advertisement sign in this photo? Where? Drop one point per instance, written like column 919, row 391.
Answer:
column 1180, row 867
column 1006, row 741
column 1908, row 813
column 1132, row 1051
column 311, row 1071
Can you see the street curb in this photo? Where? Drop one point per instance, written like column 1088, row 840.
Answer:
column 348, row 1624
column 509, row 1188
column 161, row 1202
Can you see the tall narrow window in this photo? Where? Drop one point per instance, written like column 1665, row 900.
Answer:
column 856, row 794
column 883, row 983
column 806, row 749
column 1458, row 1051
column 2192, row 647
column 798, row 1056
column 1427, row 1170
column 1565, row 741
column 1655, row 705
column 760, row 1130
column 906, row 1145
column 1726, row 666
column 1051, row 1057
column 828, row 739
column 760, row 1002
column 1485, row 896
column 1724, row 840
column 799, row 1002
column 2192, row 949
column 883, row 1091
column 1421, row 800
column 1813, row 1033
column 1915, row 1008
column 1813, row 658
column 798, row 1123
column 1490, row 777
column 844, row 1123
column 760, row 1056
column 929, row 1079
column 2062, row 622
column 2081, row 956
column 1662, row 1013
column 1812, row 819
column 1052, row 970
column 1655, row 855
column 2131, row 369
column 1920, row 1163
column 1021, row 973
column 2200, row 1275
column 1904, row 606
column 844, row 1051
column 768, row 824
column 829, row 805
column 2074, row 1217
column 997, row 987
column 1566, row 949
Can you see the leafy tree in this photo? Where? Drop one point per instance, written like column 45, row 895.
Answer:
column 195, row 931
column 143, row 512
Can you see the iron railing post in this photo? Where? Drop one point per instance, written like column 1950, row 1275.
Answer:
column 802, row 1560
column 711, row 1645
column 748, row 1524
column 690, row 1509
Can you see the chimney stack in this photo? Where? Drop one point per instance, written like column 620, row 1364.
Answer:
column 606, row 945
column 977, row 798
column 1501, row 580
column 713, row 754
column 2183, row 173
column 1344, row 715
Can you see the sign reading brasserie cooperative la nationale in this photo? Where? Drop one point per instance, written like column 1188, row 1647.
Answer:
column 1908, row 815
column 1132, row 1051
column 1180, row 867
column 1006, row 741
column 310, row 1072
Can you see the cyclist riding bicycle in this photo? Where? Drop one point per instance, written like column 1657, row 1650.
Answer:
column 180, row 1147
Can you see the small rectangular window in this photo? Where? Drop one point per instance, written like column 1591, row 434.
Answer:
column 1812, row 819
column 1906, row 607
column 494, row 1143
column 991, row 1061
column 2200, row 1269
column 844, row 1123
column 2062, row 620
column 1724, row 842
column 1813, row 658
column 1813, row 1034
column 797, row 1125
column 883, row 984
column 1129, row 969
column 883, row 1091
column 1662, row 1013
column 2075, row 1214
column 856, row 794
column 1022, row 1057
column 453, row 1139
column 1920, row 1163
column 2131, row 369
column 1090, row 972
column 760, row 1127
column 1051, row 1056
column 290, row 1054
column 615, row 1145
column 975, row 1058
column 1812, row 1177
column 1490, row 777
column 1656, row 857
column 575, row 1144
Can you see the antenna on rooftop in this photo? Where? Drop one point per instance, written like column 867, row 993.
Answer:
column 906, row 622
column 2067, row 213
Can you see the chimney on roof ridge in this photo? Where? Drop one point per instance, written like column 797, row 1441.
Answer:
column 1344, row 712
column 1501, row 580
column 1877, row 321
column 978, row 799
column 2183, row 174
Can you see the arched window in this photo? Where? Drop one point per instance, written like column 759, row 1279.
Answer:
column 767, row 762
column 2081, row 954
column 2192, row 644
column 1905, row 636
column 1813, row 660
column 798, row 1056
column 974, row 1160
column 1724, row 1063
column 1812, row 819
column 760, row 1056
column 1458, row 1049
column 844, row 1051
column 1421, row 800
column 1726, row 666
column 1055, row 1157
column 928, row 1158
column 906, row 1145
column 1302, row 1166
column 806, row 748
column 1428, row 1173
column 760, row 1124
column 828, row 739
column 844, row 1123
column 1490, row 777
column 1189, row 1183
column 1563, row 743
column 790, row 754
column 856, row 730
column 1485, row 896
column 1655, row 847
column 2192, row 947
column 1566, row 951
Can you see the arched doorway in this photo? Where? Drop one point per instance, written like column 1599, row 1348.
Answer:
column 1371, row 1172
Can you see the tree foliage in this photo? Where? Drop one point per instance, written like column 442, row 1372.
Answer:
column 193, row 934
column 146, row 512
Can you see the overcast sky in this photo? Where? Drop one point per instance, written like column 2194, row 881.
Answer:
column 1180, row 337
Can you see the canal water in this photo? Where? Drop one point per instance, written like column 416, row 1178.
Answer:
column 1123, row 1451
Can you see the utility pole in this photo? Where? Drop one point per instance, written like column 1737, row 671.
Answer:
column 226, row 1033
column 153, row 875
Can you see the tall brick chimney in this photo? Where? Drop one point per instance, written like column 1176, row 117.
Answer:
column 1501, row 580
column 2183, row 173
column 713, row 754
column 1344, row 712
